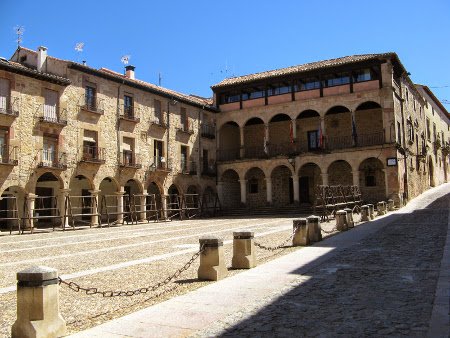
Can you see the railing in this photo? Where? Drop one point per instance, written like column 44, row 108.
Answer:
column 9, row 105
column 158, row 121
column 189, row 167
column 286, row 148
column 93, row 154
column 228, row 154
column 52, row 159
column 128, row 159
column 52, row 115
column 255, row 152
column 208, row 131
column 160, row 163
column 186, row 129
column 129, row 113
column 339, row 142
column 93, row 104
column 373, row 139
column 8, row 155
column 361, row 140
column 209, row 170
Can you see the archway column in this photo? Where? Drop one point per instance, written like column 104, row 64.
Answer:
column 355, row 175
column 269, row 190
column 31, row 200
column 294, row 129
column 296, row 188
column 324, row 178
column 63, row 193
column 94, row 218
column 120, row 204
column 242, row 150
column 243, row 191
column 143, row 208
column 220, row 191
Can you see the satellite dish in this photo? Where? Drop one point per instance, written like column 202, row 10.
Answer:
column 125, row 59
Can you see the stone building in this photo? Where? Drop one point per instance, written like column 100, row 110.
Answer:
column 69, row 129
column 355, row 120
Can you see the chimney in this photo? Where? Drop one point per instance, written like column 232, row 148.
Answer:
column 41, row 57
column 129, row 72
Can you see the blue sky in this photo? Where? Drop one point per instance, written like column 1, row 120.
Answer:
column 195, row 44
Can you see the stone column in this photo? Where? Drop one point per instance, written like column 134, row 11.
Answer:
column 365, row 214
column 324, row 179
column 294, row 129
column 269, row 190
column 63, row 193
column 94, row 210
column 324, row 133
column 120, row 206
column 220, row 191
column 296, row 188
column 301, row 236
column 212, row 262
column 243, row 191
column 143, row 207
column 242, row 145
column 355, row 177
column 38, row 304
column 31, row 200
column 243, row 250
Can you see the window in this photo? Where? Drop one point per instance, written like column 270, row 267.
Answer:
column 183, row 158
column 128, row 105
column 308, row 84
column 49, row 150
column 50, row 105
column 434, row 132
column 184, row 119
column 313, row 140
column 428, row 130
column 3, row 144
column 128, row 149
column 90, row 95
column 254, row 95
column 158, row 153
column 337, row 80
column 253, row 186
column 364, row 75
column 230, row 98
column 410, row 131
column 399, row 133
column 370, row 180
column 279, row 89
column 90, row 144
column 4, row 95
column 158, row 113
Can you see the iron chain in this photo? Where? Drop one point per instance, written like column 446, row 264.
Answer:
column 278, row 247
column 94, row 291
column 329, row 231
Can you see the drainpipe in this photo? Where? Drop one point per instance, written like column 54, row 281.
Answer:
column 405, row 176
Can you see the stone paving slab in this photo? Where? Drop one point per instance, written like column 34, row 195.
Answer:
column 323, row 290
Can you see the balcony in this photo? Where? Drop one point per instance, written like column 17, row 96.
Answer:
column 128, row 160
column 93, row 105
column 129, row 113
column 92, row 154
column 255, row 152
column 208, row 131
column 209, row 170
column 52, row 160
column 362, row 140
column 284, row 149
column 10, row 106
column 188, row 168
column 160, row 164
column 228, row 154
column 51, row 116
column 8, row 155
column 158, row 122
column 186, row 129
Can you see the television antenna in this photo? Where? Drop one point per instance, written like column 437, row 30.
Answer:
column 125, row 59
column 19, row 32
column 79, row 47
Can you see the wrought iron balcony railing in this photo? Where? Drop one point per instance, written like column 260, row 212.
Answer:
column 93, row 154
column 188, row 167
column 9, row 155
column 228, row 154
column 208, row 131
column 209, row 170
column 160, row 163
column 129, row 113
column 185, row 129
column 54, row 116
column 9, row 105
column 158, row 121
column 128, row 159
column 93, row 104
column 52, row 160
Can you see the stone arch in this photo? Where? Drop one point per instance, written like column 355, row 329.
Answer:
column 133, row 187
column 338, row 128
column 174, row 189
column 154, row 189
column 256, row 187
column 231, row 191
column 372, row 180
column 108, row 186
column 310, row 177
column 340, row 173
column 192, row 189
column 254, row 133
column 369, row 124
column 229, row 140
column 79, row 183
column 7, row 208
column 307, row 125
column 279, row 133
column 282, row 186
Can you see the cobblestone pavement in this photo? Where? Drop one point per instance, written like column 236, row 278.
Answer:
column 125, row 257
column 382, row 286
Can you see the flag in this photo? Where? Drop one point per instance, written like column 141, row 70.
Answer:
column 354, row 135
column 291, row 133
column 320, row 136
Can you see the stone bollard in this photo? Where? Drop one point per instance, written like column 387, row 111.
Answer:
column 38, row 304
column 371, row 211
column 314, row 230
column 243, row 250
column 341, row 220
column 350, row 223
column 390, row 205
column 365, row 213
column 381, row 208
column 212, row 262
column 301, row 236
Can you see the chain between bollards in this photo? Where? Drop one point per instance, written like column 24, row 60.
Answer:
column 129, row 293
column 278, row 247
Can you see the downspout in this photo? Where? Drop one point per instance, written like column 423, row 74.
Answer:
column 405, row 176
